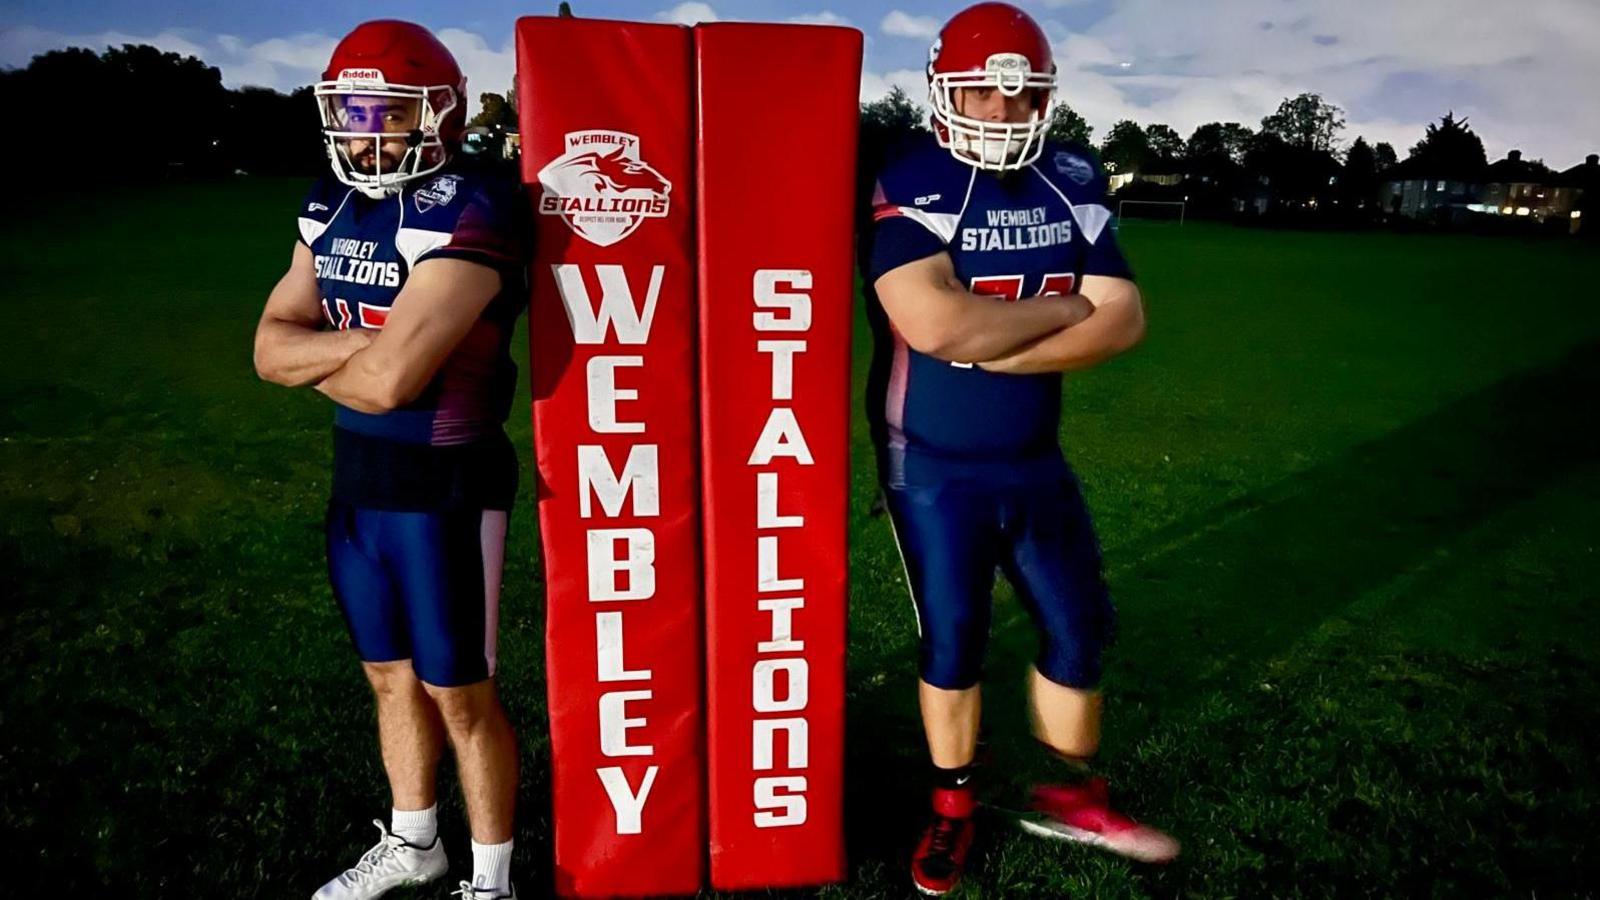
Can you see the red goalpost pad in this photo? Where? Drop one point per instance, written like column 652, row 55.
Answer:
column 777, row 121
column 606, row 121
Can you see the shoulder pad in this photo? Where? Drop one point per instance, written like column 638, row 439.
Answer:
column 926, row 177
column 320, row 205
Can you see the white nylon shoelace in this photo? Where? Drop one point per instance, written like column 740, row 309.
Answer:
column 373, row 859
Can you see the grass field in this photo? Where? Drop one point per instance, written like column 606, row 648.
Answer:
column 1348, row 491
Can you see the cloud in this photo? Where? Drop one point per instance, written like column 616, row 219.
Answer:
column 487, row 69
column 20, row 44
column 1523, row 73
column 826, row 17
column 283, row 63
column 876, row 85
column 903, row 24
column 688, row 13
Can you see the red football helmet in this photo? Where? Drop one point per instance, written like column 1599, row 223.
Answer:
column 390, row 81
column 999, row 46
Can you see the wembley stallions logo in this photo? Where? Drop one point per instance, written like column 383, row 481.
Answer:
column 601, row 187
column 438, row 192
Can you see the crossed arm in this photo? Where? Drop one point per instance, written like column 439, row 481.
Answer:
column 935, row 314
column 441, row 300
column 291, row 347
column 1115, row 326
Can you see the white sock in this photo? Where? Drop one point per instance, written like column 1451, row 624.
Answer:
column 417, row 826
column 491, row 866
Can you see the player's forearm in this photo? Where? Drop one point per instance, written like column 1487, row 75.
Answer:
column 295, row 355
column 975, row 327
column 1113, row 329
column 364, row 384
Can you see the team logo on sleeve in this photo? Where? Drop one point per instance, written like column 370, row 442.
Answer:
column 1074, row 167
column 602, row 188
column 438, row 192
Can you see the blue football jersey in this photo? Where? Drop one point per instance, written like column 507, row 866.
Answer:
column 447, row 447
column 364, row 250
column 1022, row 234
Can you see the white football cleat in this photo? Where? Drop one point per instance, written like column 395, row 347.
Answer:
column 391, row 863
column 467, row 892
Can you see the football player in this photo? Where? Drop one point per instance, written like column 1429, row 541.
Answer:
column 994, row 270
column 398, row 304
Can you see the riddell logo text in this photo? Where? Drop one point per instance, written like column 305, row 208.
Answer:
column 366, row 75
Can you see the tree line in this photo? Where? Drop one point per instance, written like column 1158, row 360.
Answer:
column 136, row 113
column 1293, row 162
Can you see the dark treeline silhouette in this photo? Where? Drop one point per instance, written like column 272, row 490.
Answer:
column 1293, row 169
column 137, row 114
column 134, row 113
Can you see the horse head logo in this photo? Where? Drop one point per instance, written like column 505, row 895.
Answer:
column 603, row 194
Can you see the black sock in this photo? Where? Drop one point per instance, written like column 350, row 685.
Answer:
column 954, row 779
column 1078, row 768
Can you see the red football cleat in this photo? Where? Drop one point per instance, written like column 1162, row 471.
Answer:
column 941, row 855
column 1083, row 813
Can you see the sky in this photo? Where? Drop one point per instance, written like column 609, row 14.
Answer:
column 1526, row 74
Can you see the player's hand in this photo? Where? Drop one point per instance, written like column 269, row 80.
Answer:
column 360, row 338
column 1076, row 308
column 351, row 342
column 1080, row 308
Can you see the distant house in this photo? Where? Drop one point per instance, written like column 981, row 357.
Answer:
column 1509, row 187
column 1165, row 172
column 1584, row 181
column 1585, row 176
column 1411, row 190
column 1514, row 187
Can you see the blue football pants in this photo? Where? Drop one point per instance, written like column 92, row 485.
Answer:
column 953, row 537
column 423, row 586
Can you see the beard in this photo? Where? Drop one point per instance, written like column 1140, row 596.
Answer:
column 366, row 162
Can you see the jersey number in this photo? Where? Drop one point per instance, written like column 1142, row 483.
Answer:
column 370, row 316
column 1010, row 286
